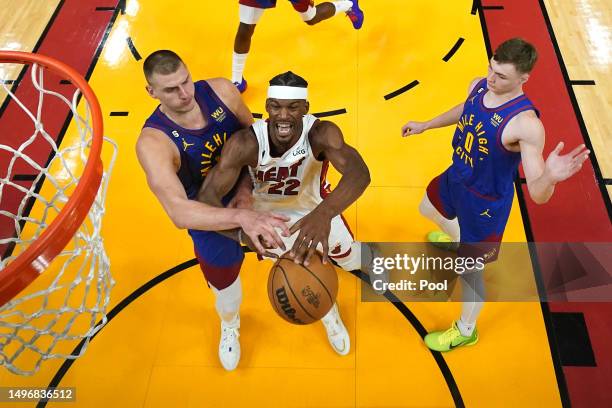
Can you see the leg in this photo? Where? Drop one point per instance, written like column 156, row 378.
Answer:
column 323, row 11
column 220, row 259
column 472, row 295
column 449, row 226
column 249, row 16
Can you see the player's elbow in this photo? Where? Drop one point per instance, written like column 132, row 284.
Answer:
column 178, row 219
column 539, row 199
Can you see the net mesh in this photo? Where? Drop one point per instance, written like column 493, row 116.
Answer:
column 39, row 170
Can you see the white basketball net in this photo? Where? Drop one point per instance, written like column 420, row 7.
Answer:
column 67, row 303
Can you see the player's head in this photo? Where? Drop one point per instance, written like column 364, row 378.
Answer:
column 168, row 80
column 511, row 64
column 286, row 105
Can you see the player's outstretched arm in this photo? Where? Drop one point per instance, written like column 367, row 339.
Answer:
column 450, row 117
column 160, row 161
column 542, row 176
column 326, row 140
column 241, row 150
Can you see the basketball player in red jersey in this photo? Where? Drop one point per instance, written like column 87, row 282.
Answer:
column 497, row 128
column 287, row 156
column 252, row 10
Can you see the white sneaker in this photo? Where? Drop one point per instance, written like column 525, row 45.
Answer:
column 336, row 332
column 229, row 346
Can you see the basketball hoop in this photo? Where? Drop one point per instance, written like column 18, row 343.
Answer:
column 51, row 208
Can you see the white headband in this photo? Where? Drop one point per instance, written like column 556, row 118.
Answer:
column 287, row 92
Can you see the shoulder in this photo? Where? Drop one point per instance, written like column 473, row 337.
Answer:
column 473, row 84
column 154, row 149
column 326, row 133
column 150, row 137
column 225, row 89
column 527, row 127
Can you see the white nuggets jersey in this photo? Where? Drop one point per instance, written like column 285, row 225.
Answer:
column 293, row 185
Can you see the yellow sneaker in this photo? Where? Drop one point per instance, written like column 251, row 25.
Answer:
column 442, row 240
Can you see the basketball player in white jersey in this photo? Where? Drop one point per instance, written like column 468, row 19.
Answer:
column 288, row 156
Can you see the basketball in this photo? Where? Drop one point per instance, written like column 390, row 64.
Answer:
column 302, row 294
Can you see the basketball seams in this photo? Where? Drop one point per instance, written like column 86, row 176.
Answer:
column 293, row 293
column 271, row 291
column 332, row 300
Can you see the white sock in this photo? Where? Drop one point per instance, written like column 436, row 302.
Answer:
column 238, row 62
column 466, row 329
column 342, row 6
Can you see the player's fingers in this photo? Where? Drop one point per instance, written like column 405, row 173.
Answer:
column 296, row 226
column 279, row 217
column 310, row 253
column 558, row 148
column 258, row 246
column 325, row 257
column 282, row 226
column 301, row 250
column 296, row 244
column 273, row 238
column 577, row 151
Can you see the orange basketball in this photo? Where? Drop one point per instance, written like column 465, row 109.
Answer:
column 302, row 294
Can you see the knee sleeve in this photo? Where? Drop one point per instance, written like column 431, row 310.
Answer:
column 249, row 15
column 228, row 300
column 309, row 14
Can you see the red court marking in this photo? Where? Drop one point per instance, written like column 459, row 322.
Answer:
column 577, row 211
column 73, row 38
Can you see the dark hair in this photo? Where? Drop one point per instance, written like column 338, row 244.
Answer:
column 289, row 79
column 161, row 62
column 518, row 52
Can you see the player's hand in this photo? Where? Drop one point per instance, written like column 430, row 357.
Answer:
column 261, row 227
column 561, row 167
column 413, row 128
column 314, row 230
column 246, row 240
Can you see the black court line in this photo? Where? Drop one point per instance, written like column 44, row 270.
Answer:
column 61, row 372
column 402, row 90
column 7, row 81
column 119, row 113
column 420, row 329
column 607, row 181
column 24, row 177
column 133, row 49
column 400, row 306
column 578, row 112
column 492, row 7
column 329, row 113
column 475, row 4
column 453, row 50
column 105, row 8
column 582, row 82
column 121, row 6
column 546, row 314
column 257, row 115
column 65, row 82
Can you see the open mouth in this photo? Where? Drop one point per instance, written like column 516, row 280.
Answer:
column 284, row 129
